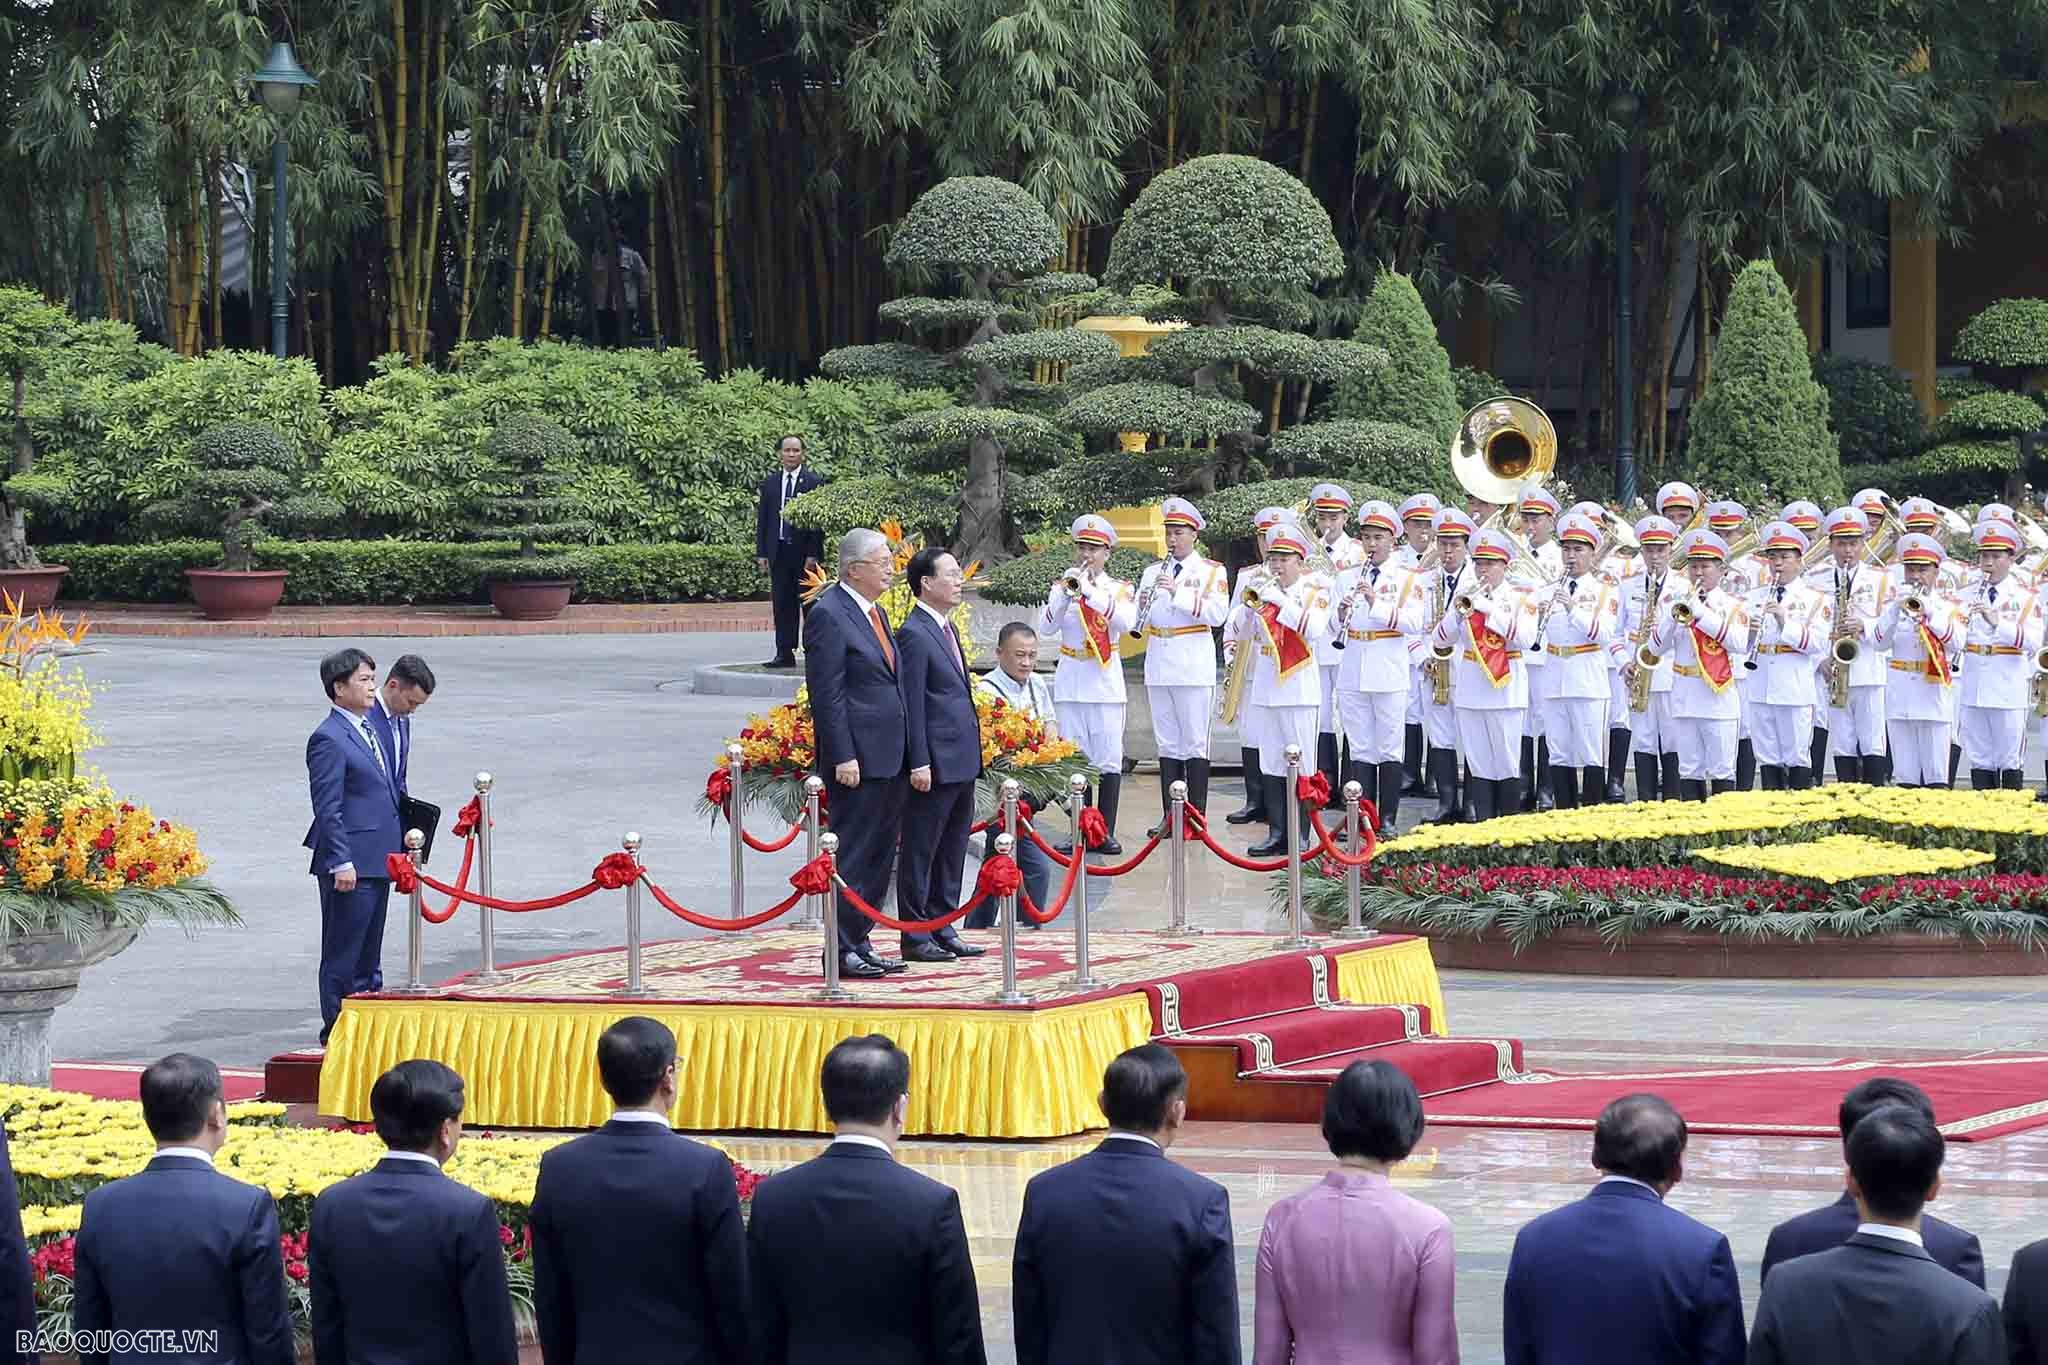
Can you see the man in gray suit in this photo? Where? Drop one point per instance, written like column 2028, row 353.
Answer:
column 1879, row 1296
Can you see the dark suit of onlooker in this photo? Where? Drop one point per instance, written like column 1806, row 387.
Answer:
column 785, row 551
column 1123, row 1255
column 1874, row 1298
column 17, row 1286
column 943, row 733
column 856, row 1260
column 2026, row 1306
column 1831, row 1225
column 182, row 1247
column 407, row 1269
column 639, row 1252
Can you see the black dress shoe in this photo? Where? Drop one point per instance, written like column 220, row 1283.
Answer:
column 877, row 961
column 916, row 951
column 853, row 964
column 781, row 661
column 956, row 945
column 1109, row 848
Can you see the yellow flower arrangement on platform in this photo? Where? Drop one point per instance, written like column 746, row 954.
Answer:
column 43, row 704
column 897, row 601
column 1839, row 858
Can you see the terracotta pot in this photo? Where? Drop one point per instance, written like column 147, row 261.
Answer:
column 35, row 589
column 224, row 595
column 537, row 599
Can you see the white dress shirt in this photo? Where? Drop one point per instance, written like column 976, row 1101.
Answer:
column 196, row 1153
column 411, row 1156
column 639, row 1116
column 861, row 1140
column 1897, row 1234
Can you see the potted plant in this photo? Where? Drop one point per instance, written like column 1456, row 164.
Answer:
column 29, row 328
column 528, row 454
column 247, row 479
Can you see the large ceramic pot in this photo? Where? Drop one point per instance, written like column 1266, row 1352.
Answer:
column 536, row 599
column 225, row 595
column 39, row 972
column 34, row 589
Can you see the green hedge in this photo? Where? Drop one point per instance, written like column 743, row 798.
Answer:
column 384, row 572
column 1027, row 580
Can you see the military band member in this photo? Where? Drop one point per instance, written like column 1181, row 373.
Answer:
column 1652, row 738
column 1181, row 600
column 1089, row 615
column 1331, row 505
column 1418, row 529
column 1858, row 591
column 1621, row 568
column 1576, row 624
column 1539, row 511
column 1924, row 517
column 1693, row 630
column 1489, row 625
column 1378, row 608
column 2004, row 630
column 1679, row 503
column 1254, row 808
column 1805, row 518
column 1746, row 572
column 1920, row 684
column 1789, row 621
column 1454, row 531
column 1283, row 617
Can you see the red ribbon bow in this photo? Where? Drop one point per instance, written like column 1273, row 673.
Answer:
column 467, row 818
column 404, row 876
column 1000, row 876
column 1313, row 789
column 1094, row 829
column 718, row 787
column 814, row 878
column 615, row 870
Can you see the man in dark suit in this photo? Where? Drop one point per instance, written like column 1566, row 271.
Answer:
column 1123, row 1255
column 179, row 1247
column 1879, row 1296
column 1830, row 1225
column 1620, row 1277
column 639, row 1252
column 405, row 1264
column 850, row 666
column 784, row 552
column 2026, row 1305
column 17, row 1285
column 857, row 1260
column 944, row 737
column 355, row 828
column 408, row 686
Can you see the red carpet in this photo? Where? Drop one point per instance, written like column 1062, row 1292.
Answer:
column 1974, row 1098
column 117, row 1080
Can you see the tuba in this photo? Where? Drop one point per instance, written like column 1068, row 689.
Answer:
column 1503, row 445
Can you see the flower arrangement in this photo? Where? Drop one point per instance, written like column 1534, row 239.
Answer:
column 43, row 703
column 897, row 602
column 1843, row 858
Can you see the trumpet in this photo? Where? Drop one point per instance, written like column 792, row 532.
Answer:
column 1074, row 580
column 1681, row 612
column 1465, row 604
column 1914, row 605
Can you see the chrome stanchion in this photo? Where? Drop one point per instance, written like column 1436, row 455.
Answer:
column 814, row 823
column 1354, row 923
column 416, row 922
column 1077, row 797
column 828, row 848
column 634, row 985
column 487, row 971
column 1006, row 814
column 1006, row 846
column 1297, row 931
column 1177, row 865
column 735, row 816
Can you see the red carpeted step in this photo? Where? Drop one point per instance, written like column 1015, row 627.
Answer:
column 1194, row 1001
column 1436, row 1065
column 1301, row 1036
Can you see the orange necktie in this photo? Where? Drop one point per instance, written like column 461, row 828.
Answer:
column 882, row 636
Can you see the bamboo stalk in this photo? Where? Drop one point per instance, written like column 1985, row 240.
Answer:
column 654, row 261
column 721, row 300
column 549, row 91
column 547, row 297
column 213, row 281
column 423, row 279
column 127, row 275
column 103, row 246
column 473, row 195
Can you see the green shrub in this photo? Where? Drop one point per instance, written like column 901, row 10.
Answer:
column 1027, row 580
column 1991, row 414
column 245, row 485
column 1900, row 478
column 1355, row 450
column 1872, row 409
column 1113, row 479
column 1763, row 421
column 1953, row 388
column 925, row 505
column 528, row 504
column 2011, row 334
column 1415, row 387
column 1223, row 226
column 1474, row 387
column 150, row 433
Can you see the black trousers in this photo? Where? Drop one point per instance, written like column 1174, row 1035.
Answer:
column 785, row 591
column 933, row 860
column 867, row 819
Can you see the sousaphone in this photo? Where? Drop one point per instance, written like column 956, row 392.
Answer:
column 1503, row 446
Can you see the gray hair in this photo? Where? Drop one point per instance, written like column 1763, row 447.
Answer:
column 858, row 544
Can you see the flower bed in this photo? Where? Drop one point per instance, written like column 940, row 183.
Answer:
column 1840, row 858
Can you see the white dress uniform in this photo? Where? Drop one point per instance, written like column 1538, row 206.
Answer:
column 1549, row 557
column 1343, row 553
column 1857, row 730
column 1919, row 700
column 1088, row 691
column 1279, row 711
column 1995, row 680
column 1641, row 598
column 1490, row 713
column 1187, row 599
column 1382, row 608
column 1782, row 690
column 1576, row 639
column 1704, row 716
column 1421, row 507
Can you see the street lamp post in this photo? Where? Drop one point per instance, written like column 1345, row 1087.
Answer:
column 279, row 84
column 1624, row 107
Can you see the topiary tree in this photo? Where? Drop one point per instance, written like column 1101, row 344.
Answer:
column 990, row 241
column 1415, row 387
column 1247, row 244
column 1872, row 409
column 1763, row 422
column 2010, row 341
column 1355, row 451
column 529, row 502
column 249, row 480
column 29, row 330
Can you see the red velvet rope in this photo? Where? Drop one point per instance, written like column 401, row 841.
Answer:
column 461, row 880
column 1067, row 884
column 1367, row 839
column 1313, row 790
column 718, row 791
column 763, row 846
column 1127, row 865
column 1248, row 864
column 688, row 916
column 404, row 876
column 916, row 926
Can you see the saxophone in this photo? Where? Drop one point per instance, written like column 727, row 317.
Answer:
column 1842, row 645
column 1438, row 666
column 1645, row 658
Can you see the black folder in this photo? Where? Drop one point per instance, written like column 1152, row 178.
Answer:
column 422, row 816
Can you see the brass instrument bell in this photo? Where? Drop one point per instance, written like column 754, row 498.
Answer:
column 1503, row 445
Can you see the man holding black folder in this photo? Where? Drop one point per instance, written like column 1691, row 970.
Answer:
column 408, row 686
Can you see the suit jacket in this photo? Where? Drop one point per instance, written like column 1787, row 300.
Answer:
column 1874, row 1298
column 180, row 1246
column 856, row 701
column 1833, row 1224
column 1123, row 1256
column 2026, row 1305
column 638, row 1250
column 768, row 517
column 355, row 801
column 940, row 723
column 407, row 1269
column 857, row 1260
column 1621, row 1278
column 17, row 1286
column 396, row 732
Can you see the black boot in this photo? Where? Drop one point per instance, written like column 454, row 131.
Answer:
column 1983, row 779
column 1820, row 752
column 1646, row 777
column 1530, row 782
column 1171, row 770
column 1507, row 796
column 2044, row 783
column 1877, row 769
column 1799, row 779
column 2012, row 779
column 1955, row 759
column 1689, row 790
column 1111, row 786
column 1564, row 787
column 1772, row 777
column 1326, row 764
column 1413, row 776
column 1719, row 785
column 1480, row 797
column 1197, row 778
column 1544, row 798
column 1745, row 764
column 1390, row 796
column 1618, row 737
column 1443, row 771
column 1275, row 842
column 1367, row 776
column 1254, row 807
column 1848, row 769
column 1668, row 763
column 1465, row 789
column 1592, row 785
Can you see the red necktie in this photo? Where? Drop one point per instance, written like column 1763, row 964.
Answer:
column 882, row 636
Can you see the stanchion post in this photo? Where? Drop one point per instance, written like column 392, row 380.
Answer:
column 415, row 921
column 487, row 942
column 1296, row 930
column 735, row 764
column 1354, row 916
column 828, row 849
column 1006, row 847
column 634, row 984
column 1177, row 864
column 1007, row 798
column 814, row 822
column 1077, row 797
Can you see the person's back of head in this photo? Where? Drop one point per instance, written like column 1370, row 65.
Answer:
column 182, row 1102
column 865, row 1082
column 1875, row 1094
column 1145, row 1091
column 417, row 1106
column 1641, row 1137
column 1895, row 1155
column 1373, row 1113
column 636, row 1059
